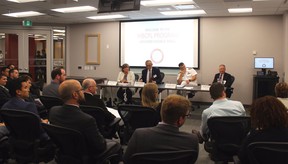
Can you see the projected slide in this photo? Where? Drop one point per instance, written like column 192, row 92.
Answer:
column 165, row 42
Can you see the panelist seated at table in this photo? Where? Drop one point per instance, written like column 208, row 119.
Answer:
column 126, row 76
column 223, row 77
column 186, row 76
column 151, row 74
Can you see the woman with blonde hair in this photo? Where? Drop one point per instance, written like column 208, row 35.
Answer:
column 149, row 97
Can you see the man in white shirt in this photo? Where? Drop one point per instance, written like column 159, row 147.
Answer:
column 186, row 76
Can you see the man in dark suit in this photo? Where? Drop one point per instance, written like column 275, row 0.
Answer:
column 4, row 92
column 166, row 135
column 69, row 115
column 224, row 78
column 151, row 74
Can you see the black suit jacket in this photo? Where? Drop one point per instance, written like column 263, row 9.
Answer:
column 155, row 75
column 160, row 138
column 4, row 96
column 94, row 100
column 72, row 117
column 226, row 77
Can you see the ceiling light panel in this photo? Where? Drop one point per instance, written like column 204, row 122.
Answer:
column 186, row 12
column 24, row 14
column 240, row 10
column 75, row 9
column 165, row 2
column 25, row 1
column 107, row 17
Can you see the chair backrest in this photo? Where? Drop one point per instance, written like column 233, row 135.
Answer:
column 49, row 101
column 162, row 74
column 228, row 132
column 22, row 125
column 97, row 113
column 136, row 77
column 165, row 157
column 70, row 142
column 136, row 116
column 268, row 152
column 232, row 80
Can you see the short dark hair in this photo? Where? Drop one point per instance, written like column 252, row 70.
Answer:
column 216, row 90
column 173, row 107
column 180, row 64
column 15, row 84
column 55, row 72
column 26, row 77
column 268, row 112
column 12, row 70
column 4, row 68
column 1, row 75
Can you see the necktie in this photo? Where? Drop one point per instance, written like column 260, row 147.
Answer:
column 150, row 76
column 221, row 78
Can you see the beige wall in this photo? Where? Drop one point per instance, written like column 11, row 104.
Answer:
column 227, row 40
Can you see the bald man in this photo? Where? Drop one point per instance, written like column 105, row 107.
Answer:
column 69, row 115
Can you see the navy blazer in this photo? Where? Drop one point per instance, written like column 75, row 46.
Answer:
column 155, row 75
column 226, row 77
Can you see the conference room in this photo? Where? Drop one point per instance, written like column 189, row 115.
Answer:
column 207, row 34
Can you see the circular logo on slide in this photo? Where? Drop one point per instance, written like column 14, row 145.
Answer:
column 263, row 65
column 157, row 56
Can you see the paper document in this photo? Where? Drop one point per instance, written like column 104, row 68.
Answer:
column 114, row 83
column 189, row 88
column 114, row 112
column 170, row 85
column 205, row 87
column 139, row 84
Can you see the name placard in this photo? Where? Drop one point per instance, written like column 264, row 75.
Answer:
column 139, row 84
column 167, row 85
column 205, row 87
column 113, row 83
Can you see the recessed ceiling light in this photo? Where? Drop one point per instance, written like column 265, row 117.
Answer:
column 24, row 1
column 184, row 7
column 24, row 14
column 164, row 2
column 75, row 9
column 107, row 17
column 240, row 10
column 186, row 12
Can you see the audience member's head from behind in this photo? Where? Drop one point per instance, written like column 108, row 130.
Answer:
column 58, row 75
column 222, row 68
column 71, row 92
column 3, row 80
column 281, row 90
column 125, row 68
column 89, row 85
column 268, row 112
column 217, row 91
column 174, row 110
column 19, row 88
column 11, row 66
column 148, row 64
column 5, row 71
column 13, row 73
column 149, row 95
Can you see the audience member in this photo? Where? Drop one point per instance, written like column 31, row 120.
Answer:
column 224, row 78
column 166, row 136
column 69, row 115
column 151, row 74
column 126, row 76
column 220, row 107
column 149, row 98
column 11, row 66
column 4, row 92
column 19, row 92
column 58, row 75
column 186, row 76
column 281, row 91
column 269, row 121
column 13, row 74
column 91, row 99
column 5, row 71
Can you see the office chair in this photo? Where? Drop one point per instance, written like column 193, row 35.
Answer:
column 165, row 157
column 135, row 116
column 268, row 152
column 49, row 102
column 25, row 137
column 107, row 130
column 136, row 77
column 162, row 74
column 226, row 136
column 229, row 90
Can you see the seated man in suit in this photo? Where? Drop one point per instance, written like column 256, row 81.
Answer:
column 4, row 92
column 220, row 107
column 224, row 78
column 58, row 75
column 151, row 74
column 91, row 99
column 166, row 135
column 13, row 74
column 19, row 92
column 69, row 115
column 5, row 71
